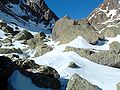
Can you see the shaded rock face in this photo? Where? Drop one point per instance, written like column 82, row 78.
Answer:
column 34, row 10
column 66, row 30
column 41, row 76
column 5, row 72
column 78, row 83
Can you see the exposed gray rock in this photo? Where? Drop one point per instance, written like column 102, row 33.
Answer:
column 23, row 35
column 78, row 83
column 115, row 46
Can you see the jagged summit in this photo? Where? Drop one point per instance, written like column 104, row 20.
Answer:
column 30, row 14
column 108, row 10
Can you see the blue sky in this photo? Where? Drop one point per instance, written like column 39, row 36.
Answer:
column 76, row 9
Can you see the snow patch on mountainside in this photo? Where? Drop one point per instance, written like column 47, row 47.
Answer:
column 30, row 25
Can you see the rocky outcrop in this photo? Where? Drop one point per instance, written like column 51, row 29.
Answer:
column 78, row 83
column 66, row 29
column 23, row 35
column 41, row 76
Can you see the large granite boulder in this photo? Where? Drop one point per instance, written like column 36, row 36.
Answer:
column 78, row 83
column 23, row 35
column 61, row 24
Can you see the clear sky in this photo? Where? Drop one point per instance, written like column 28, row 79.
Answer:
column 76, row 9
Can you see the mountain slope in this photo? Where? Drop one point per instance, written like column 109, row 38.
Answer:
column 30, row 14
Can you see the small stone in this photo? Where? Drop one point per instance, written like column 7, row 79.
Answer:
column 72, row 65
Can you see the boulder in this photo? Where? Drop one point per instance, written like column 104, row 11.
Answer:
column 72, row 65
column 42, row 49
column 80, row 51
column 78, row 83
column 61, row 24
column 115, row 46
column 23, row 35
column 109, row 58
